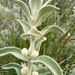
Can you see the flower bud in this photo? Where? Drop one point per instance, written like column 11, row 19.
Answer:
column 24, row 70
column 35, row 73
column 33, row 19
column 34, row 54
column 24, row 52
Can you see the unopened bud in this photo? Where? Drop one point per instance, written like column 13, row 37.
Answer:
column 33, row 19
column 35, row 73
column 24, row 52
column 34, row 54
column 24, row 70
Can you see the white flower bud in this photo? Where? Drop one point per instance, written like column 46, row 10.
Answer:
column 34, row 54
column 33, row 19
column 24, row 52
column 35, row 73
column 24, row 70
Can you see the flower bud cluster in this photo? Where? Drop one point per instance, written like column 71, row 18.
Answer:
column 33, row 55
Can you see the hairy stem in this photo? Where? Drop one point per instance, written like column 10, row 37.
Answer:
column 31, row 48
column 29, row 68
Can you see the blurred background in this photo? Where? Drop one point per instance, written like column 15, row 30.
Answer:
column 58, row 46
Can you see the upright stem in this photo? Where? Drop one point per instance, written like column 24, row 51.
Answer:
column 29, row 67
column 31, row 48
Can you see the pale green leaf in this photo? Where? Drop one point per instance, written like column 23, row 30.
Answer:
column 44, row 12
column 47, row 2
column 32, row 32
column 35, row 6
column 24, row 7
column 13, row 65
column 26, row 27
column 50, row 63
column 14, row 51
column 48, row 29
column 35, row 31
column 27, row 36
column 38, row 43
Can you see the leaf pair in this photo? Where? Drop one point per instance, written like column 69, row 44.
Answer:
column 13, row 65
column 32, row 31
column 50, row 63
column 39, row 11
column 47, row 61
column 28, row 30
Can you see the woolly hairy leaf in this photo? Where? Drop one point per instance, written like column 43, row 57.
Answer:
column 26, row 27
column 14, row 51
column 44, row 12
column 33, row 32
column 47, row 2
column 35, row 6
column 48, row 29
column 13, row 65
column 27, row 36
column 50, row 63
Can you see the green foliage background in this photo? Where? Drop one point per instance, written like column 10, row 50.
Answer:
column 60, row 47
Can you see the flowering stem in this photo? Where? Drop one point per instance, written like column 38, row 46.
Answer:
column 29, row 67
column 31, row 48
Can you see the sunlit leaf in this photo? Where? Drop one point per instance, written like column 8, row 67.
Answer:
column 13, row 65
column 26, row 27
column 44, row 12
column 35, row 6
column 47, row 2
column 48, row 29
column 50, row 63
column 14, row 51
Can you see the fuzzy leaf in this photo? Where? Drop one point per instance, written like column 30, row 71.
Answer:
column 15, row 66
column 14, row 51
column 50, row 63
column 39, row 42
column 33, row 32
column 48, row 29
column 35, row 6
column 47, row 2
column 24, row 7
column 44, row 12
column 26, row 27
column 27, row 36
